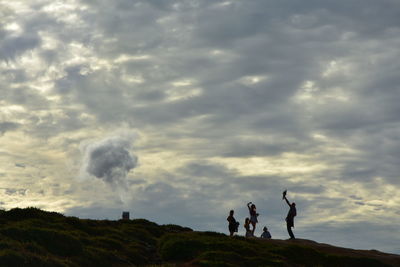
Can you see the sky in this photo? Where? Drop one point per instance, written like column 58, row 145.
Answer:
column 179, row 111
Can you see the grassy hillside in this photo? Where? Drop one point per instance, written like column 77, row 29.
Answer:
column 32, row 237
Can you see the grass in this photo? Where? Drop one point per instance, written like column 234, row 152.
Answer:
column 33, row 237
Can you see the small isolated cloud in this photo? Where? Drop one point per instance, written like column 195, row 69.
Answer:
column 109, row 159
column 20, row 165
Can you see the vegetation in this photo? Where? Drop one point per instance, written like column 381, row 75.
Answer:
column 32, row 237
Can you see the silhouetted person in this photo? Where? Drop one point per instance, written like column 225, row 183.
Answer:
column 266, row 233
column 246, row 226
column 290, row 216
column 253, row 215
column 233, row 224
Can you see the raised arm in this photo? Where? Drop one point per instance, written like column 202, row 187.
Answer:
column 248, row 205
column 287, row 201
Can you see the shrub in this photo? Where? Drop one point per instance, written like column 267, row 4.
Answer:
column 56, row 242
column 172, row 228
column 21, row 214
column 140, row 234
column 10, row 257
column 173, row 247
column 108, row 243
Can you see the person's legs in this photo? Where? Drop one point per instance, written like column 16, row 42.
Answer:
column 289, row 229
column 231, row 230
column 254, row 227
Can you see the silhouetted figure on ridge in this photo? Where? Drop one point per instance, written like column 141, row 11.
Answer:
column 233, row 224
column 246, row 226
column 253, row 216
column 266, row 233
column 290, row 216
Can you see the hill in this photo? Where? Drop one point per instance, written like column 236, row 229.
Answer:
column 32, row 237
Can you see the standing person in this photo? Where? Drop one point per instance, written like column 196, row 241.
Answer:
column 253, row 216
column 233, row 224
column 290, row 216
column 246, row 225
column 266, row 233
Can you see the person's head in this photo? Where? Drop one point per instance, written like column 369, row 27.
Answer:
column 247, row 221
column 294, row 204
column 231, row 213
column 265, row 229
column 253, row 207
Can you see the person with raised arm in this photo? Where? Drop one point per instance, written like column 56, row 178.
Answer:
column 290, row 216
column 253, row 216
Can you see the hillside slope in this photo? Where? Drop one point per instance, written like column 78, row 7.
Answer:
column 32, row 237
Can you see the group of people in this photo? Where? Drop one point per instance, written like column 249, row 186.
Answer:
column 251, row 221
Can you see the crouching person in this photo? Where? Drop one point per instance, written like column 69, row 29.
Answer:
column 266, row 233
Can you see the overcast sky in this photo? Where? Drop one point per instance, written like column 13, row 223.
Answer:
column 179, row 111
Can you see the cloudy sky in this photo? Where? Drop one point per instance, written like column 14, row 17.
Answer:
column 181, row 110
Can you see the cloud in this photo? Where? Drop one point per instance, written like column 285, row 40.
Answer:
column 11, row 47
column 8, row 126
column 235, row 101
column 15, row 191
column 20, row 165
column 110, row 159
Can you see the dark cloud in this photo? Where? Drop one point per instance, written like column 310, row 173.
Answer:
column 15, row 191
column 110, row 159
column 13, row 46
column 20, row 165
column 248, row 148
column 206, row 169
column 24, row 96
column 8, row 126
